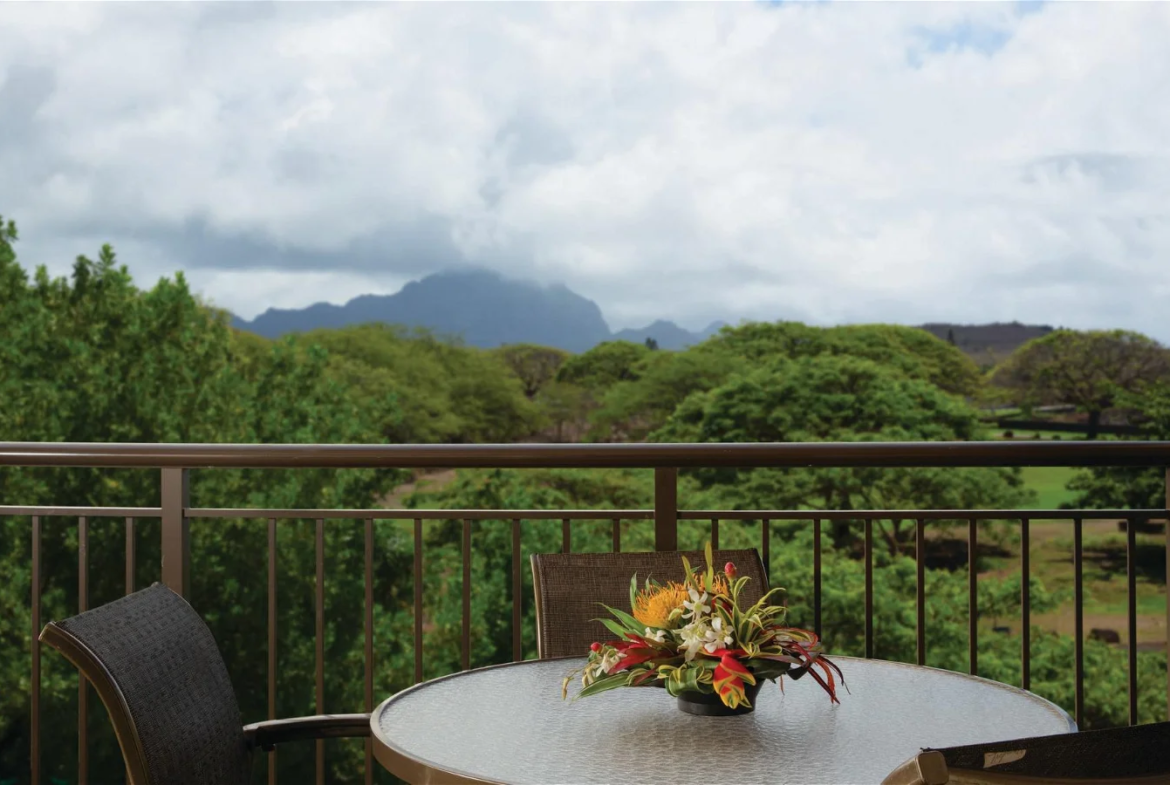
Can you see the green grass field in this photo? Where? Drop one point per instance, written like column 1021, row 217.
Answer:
column 1049, row 483
column 1104, row 565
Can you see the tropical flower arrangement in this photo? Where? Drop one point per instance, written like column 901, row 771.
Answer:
column 698, row 641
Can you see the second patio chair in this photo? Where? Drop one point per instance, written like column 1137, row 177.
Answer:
column 1112, row 756
column 569, row 586
column 160, row 675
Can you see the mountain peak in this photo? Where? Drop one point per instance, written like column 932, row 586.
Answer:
column 483, row 306
column 480, row 305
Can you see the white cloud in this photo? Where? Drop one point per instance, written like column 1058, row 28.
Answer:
column 852, row 162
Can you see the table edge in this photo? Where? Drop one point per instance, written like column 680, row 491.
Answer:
column 422, row 771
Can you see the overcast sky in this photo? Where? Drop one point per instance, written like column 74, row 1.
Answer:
column 823, row 162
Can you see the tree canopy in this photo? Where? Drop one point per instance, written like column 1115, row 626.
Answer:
column 1128, row 487
column 913, row 351
column 1088, row 369
column 535, row 366
column 604, row 365
column 838, row 398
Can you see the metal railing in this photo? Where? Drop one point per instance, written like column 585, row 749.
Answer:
column 175, row 461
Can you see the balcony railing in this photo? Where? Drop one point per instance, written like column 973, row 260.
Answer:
column 175, row 461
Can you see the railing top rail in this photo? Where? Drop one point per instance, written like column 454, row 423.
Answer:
column 983, row 453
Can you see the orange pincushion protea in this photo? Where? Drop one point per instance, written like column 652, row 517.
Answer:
column 654, row 604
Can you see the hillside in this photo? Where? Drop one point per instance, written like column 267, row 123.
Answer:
column 988, row 344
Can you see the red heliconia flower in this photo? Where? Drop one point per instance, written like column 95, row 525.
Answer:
column 635, row 655
column 730, row 675
column 729, row 570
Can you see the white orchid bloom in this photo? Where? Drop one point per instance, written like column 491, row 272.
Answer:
column 608, row 660
column 659, row 636
column 716, row 637
column 696, row 605
column 694, row 635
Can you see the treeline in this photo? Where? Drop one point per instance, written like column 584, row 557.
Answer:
column 92, row 357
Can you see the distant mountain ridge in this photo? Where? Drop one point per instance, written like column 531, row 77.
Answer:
column 487, row 309
column 482, row 307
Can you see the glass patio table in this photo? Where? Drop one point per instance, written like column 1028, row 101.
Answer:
column 508, row 724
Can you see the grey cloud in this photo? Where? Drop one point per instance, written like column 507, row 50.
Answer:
column 23, row 92
column 417, row 249
column 691, row 162
column 530, row 139
column 1114, row 172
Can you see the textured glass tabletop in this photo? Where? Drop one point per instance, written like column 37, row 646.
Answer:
column 508, row 724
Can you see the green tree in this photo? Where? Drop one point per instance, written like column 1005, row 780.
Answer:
column 835, row 398
column 564, row 407
column 427, row 390
column 911, row 350
column 1131, row 487
column 630, row 410
column 1087, row 369
column 535, row 366
column 603, row 366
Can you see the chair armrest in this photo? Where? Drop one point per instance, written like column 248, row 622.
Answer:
column 925, row 768
column 266, row 735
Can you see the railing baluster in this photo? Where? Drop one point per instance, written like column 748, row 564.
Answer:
column 1131, row 614
column 973, row 596
column 1078, row 624
column 369, row 625
column 82, row 684
column 665, row 509
column 320, row 636
column 176, row 531
column 1167, row 546
column 517, row 596
column 272, row 640
column 714, row 534
column 817, row 577
column 35, row 684
column 766, row 537
column 1025, row 604
column 131, row 555
column 868, row 588
column 617, row 535
column 466, row 594
column 418, row 595
column 566, row 536
column 920, row 587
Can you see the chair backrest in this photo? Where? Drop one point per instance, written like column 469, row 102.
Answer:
column 160, row 675
column 1119, row 756
column 569, row 587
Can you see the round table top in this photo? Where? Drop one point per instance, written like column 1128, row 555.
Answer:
column 508, row 724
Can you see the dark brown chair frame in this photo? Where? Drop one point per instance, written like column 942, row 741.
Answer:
column 263, row 735
column 1138, row 755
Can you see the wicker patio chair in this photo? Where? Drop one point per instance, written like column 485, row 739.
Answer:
column 1118, row 756
column 160, row 675
column 569, row 586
